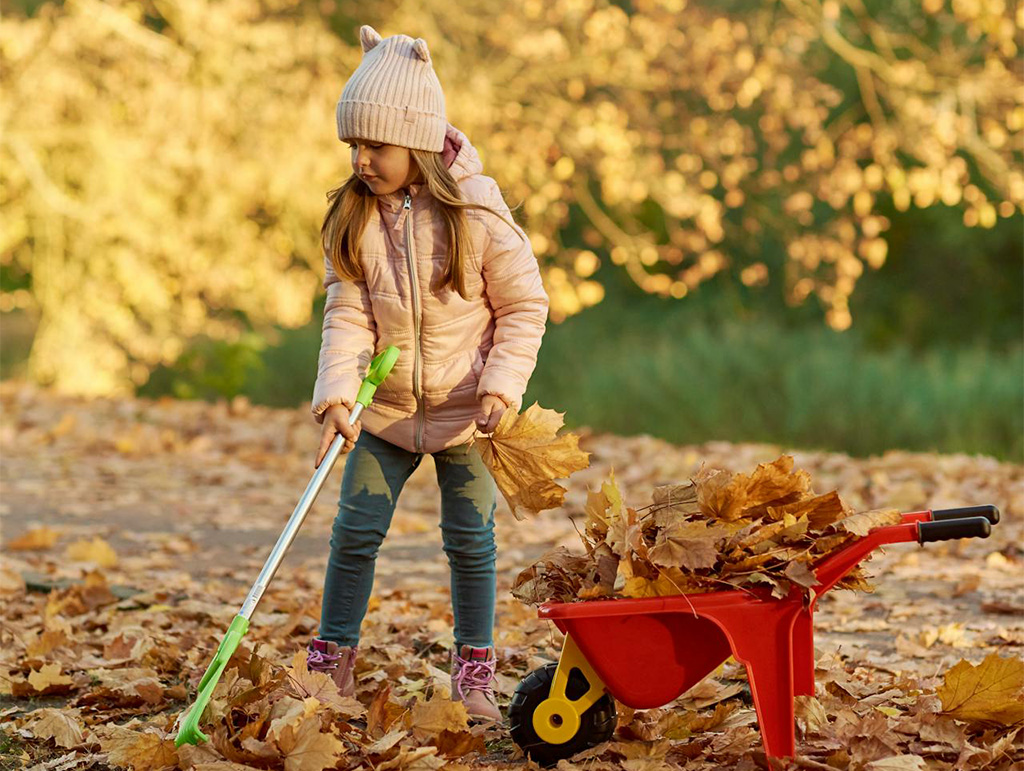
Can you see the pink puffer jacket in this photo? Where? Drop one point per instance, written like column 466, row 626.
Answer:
column 453, row 351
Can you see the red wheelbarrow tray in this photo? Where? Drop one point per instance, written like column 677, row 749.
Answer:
column 648, row 651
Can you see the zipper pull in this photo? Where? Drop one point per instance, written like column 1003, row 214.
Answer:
column 406, row 208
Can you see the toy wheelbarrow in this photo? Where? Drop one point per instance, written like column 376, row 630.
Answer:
column 646, row 652
column 189, row 732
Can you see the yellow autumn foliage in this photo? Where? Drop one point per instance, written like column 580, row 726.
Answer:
column 164, row 166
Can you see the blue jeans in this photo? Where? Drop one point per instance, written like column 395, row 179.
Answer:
column 374, row 475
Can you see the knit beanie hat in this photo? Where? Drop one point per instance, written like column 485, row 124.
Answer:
column 394, row 95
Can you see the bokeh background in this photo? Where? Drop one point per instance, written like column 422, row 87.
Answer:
column 795, row 222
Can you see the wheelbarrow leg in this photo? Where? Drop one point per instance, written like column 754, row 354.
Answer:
column 803, row 653
column 761, row 638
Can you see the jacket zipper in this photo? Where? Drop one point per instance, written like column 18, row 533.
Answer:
column 416, row 374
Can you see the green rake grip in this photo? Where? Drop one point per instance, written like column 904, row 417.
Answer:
column 380, row 368
column 189, row 732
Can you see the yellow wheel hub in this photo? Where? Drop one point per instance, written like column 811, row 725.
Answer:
column 555, row 721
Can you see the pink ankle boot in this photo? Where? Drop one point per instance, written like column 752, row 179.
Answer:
column 472, row 673
column 336, row 660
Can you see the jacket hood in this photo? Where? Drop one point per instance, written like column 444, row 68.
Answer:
column 466, row 160
column 461, row 156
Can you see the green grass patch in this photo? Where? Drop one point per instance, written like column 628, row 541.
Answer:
column 689, row 379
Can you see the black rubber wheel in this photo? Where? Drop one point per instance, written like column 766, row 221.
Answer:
column 596, row 724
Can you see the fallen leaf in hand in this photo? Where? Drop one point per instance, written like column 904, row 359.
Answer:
column 524, row 455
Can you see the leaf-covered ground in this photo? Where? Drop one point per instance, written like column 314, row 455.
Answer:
column 132, row 531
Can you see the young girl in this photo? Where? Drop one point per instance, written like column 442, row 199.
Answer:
column 421, row 252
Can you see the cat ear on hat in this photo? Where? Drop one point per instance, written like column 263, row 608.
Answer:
column 419, row 46
column 368, row 37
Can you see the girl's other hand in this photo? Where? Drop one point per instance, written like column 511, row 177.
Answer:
column 336, row 422
column 491, row 409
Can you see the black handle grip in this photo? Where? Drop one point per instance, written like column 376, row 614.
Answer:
column 988, row 511
column 947, row 530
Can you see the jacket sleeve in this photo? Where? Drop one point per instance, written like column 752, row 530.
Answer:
column 519, row 303
column 347, row 344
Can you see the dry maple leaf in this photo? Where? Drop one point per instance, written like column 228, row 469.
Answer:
column 320, row 686
column 992, row 692
column 386, row 742
column 652, row 724
column 64, row 729
column 430, row 718
column 305, row 748
column 132, row 683
column 603, row 507
column 669, row 581
column 382, row 713
column 673, row 501
column 48, row 679
column 625, row 535
column 820, row 510
column 138, row 751
column 799, row 573
column 692, row 545
column 80, row 598
column 289, row 711
column 864, row 522
column 525, row 456
column 414, row 759
column 810, row 714
column 726, row 496
column 454, row 744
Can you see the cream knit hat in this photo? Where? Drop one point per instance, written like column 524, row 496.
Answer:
column 393, row 96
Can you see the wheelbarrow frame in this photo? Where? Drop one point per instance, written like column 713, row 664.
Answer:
column 646, row 652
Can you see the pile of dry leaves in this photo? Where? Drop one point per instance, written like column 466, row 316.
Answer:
column 719, row 530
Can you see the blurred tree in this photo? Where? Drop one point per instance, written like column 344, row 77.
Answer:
column 170, row 181
column 162, row 186
column 696, row 137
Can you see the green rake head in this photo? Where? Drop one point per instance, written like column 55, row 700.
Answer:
column 189, row 731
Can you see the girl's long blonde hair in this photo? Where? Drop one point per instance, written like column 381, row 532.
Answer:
column 352, row 203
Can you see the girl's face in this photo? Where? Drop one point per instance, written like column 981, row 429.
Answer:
column 383, row 168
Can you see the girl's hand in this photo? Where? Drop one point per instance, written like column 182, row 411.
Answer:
column 336, row 422
column 491, row 409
